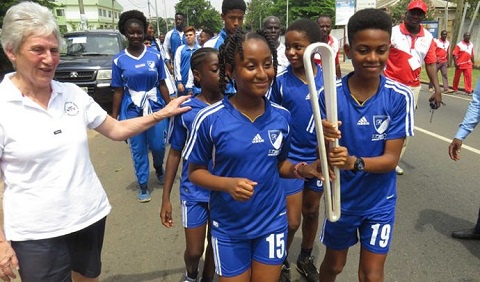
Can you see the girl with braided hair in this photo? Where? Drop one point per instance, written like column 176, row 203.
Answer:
column 238, row 149
column 194, row 199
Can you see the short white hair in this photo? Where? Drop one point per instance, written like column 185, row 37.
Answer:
column 26, row 19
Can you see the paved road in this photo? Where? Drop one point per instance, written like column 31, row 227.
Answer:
column 436, row 196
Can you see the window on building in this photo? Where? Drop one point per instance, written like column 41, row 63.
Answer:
column 60, row 12
column 99, row 12
column 109, row 14
column 104, row 12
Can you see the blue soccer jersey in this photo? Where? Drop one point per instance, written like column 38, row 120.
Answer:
column 238, row 147
column 180, row 127
column 293, row 94
column 139, row 76
column 365, row 129
column 217, row 41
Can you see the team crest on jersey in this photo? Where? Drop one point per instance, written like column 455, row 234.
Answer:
column 381, row 123
column 151, row 65
column 70, row 109
column 276, row 139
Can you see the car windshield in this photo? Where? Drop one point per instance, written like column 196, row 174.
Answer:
column 90, row 45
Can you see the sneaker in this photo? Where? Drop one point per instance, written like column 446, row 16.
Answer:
column 399, row 170
column 160, row 176
column 307, row 268
column 188, row 279
column 144, row 194
column 285, row 274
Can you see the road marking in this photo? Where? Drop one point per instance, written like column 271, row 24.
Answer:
column 466, row 147
column 456, row 96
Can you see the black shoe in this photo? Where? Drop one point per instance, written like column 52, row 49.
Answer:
column 466, row 234
column 285, row 274
column 307, row 268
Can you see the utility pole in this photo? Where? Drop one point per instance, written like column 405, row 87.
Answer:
column 156, row 13
column 474, row 16
column 149, row 15
column 113, row 14
column 460, row 29
column 456, row 26
column 83, row 18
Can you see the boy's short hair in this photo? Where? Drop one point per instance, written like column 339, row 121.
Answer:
column 208, row 32
column 368, row 19
column 180, row 14
column 309, row 27
column 189, row 29
column 228, row 5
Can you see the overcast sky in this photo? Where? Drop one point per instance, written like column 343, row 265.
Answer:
column 166, row 8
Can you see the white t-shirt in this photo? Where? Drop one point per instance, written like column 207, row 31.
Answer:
column 283, row 62
column 51, row 188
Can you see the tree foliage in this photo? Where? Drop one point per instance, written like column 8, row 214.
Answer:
column 6, row 4
column 200, row 14
column 259, row 9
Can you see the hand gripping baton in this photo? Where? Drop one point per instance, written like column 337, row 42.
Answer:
column 331, row 198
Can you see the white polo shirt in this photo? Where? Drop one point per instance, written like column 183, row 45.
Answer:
column 51, row 188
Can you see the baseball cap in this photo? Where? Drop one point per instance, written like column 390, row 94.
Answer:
column 417, row 4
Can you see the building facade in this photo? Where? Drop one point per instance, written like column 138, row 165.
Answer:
column 99, row 14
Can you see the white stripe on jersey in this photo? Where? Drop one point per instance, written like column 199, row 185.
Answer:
column 204, row 113
column 407, row 92
column 275, row 105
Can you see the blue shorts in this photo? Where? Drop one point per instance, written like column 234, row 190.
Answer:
column 194, row 214
column 53, row 259
column 233, row 257
column 375, row 231
column 294, row 185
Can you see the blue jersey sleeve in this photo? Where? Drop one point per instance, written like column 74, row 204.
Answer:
column 178, row 133
column 275, row 94
column 116, row 74
column 200, row 146
column 160, row 68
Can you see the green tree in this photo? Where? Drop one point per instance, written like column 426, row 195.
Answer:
column 298, row 9
column 200, row 14
column 257, row 11
column 6, row 4
column 162, row 24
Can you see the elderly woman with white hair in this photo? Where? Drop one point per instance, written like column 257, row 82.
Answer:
column 55, row 207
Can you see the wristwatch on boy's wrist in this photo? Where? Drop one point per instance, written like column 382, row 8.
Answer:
column 359, row 165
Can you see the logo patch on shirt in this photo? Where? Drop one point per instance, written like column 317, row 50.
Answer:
column 70, row 109
column 363, row 121
column 151, row 65
column 381, row 123
column 276, row 138
column 257, row 139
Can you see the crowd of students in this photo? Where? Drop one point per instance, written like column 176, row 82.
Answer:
column 245, row 138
